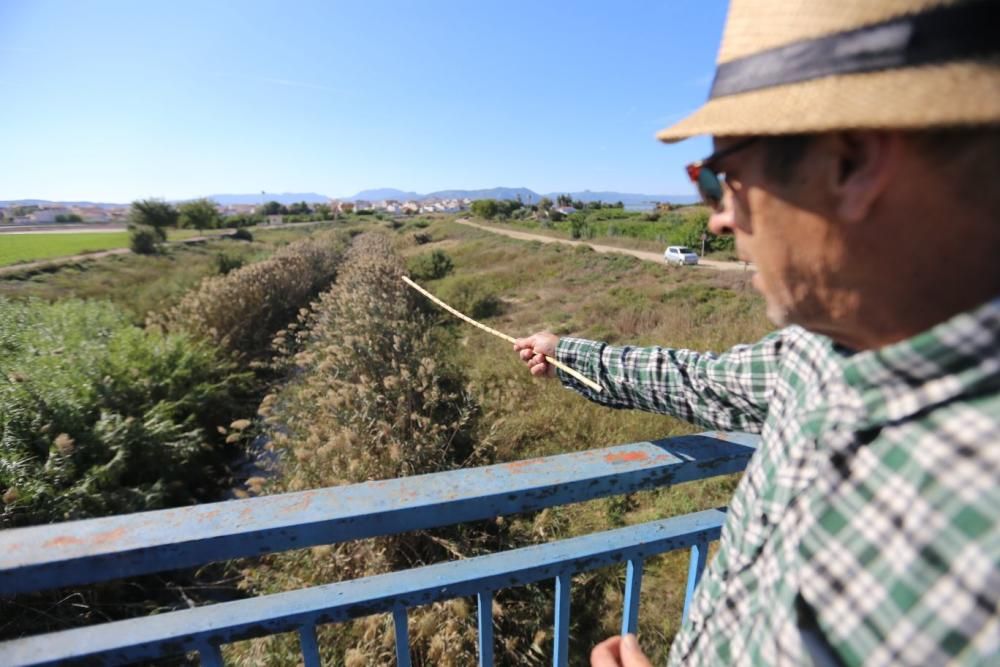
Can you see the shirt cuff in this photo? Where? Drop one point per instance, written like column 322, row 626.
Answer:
column 581, row 355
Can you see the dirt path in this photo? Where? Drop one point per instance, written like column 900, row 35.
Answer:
column 641, row 254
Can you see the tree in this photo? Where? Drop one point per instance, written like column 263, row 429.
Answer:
column 200, row 214
column 154, row 213
column 273, row 208
column 299, row 208
column 324, row 211
column 545, row 204
column 485, row 208
column 564, row 200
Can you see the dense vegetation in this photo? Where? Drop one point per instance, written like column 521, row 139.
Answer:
column 99, row 417
column 371, row 382
column 241, row 309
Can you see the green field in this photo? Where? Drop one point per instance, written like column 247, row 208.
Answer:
column 31, row 247
column 16, row 248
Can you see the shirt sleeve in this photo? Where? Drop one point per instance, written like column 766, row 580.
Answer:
column 728, row 391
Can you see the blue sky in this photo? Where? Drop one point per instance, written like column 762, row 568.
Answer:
column 117, row 100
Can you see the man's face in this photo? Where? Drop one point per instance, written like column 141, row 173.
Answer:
column 783, row 228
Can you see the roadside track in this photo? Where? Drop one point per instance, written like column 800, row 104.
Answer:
column 641, row 254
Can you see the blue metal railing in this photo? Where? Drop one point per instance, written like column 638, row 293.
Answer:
column 95, row 550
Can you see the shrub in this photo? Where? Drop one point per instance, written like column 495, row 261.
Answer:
column 225, row 263
column 420, row 238
column 242, row 235
column 100, row 417
column 430, row 266
column 472, row 298
column 371, row 399
column 242, row 309
column 143, row 240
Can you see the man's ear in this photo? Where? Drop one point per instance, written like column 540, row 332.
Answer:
column 863, row 165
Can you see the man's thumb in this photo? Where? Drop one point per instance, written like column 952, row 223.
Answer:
column 632, row 655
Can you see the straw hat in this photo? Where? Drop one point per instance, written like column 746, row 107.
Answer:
column 789, row 66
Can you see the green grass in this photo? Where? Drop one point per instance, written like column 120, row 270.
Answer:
column 16, row 248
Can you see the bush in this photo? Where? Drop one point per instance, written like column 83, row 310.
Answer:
column 472, row 298
column 242, row 235
column 430, row 266
column 242, row 309
column 99, row 417
column 225, row 263
column 420, row 238
column 143, row 240
column 371, row 400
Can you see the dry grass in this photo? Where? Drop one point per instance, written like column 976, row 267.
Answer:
column 344, row 424
column 241, row 310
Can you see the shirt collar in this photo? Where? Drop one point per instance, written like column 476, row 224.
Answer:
column 958, row 356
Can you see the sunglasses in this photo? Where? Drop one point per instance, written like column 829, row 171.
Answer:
column 707, row 180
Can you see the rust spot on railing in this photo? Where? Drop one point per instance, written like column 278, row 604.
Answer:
column 62, row 541
column 300, row 504
column 109, row 536
column 625, row 457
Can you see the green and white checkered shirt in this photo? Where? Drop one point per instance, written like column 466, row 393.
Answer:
column 865, row 529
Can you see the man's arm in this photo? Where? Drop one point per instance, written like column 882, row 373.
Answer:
column 729, row 391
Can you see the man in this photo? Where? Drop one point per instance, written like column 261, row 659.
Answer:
column 860, row 143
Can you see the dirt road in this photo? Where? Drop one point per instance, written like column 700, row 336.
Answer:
column 641, row 254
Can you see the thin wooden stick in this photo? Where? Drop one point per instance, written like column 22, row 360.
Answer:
column 510, row 339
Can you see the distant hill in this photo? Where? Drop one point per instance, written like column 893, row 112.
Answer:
column 627, row 198
column 528, row 196
column 46, row 202
column 380, row 194
column 282, row 198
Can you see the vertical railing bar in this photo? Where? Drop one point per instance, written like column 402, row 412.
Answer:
column 402, row 636
column 699, row 553
column 309, row 645
column 633, row 582
column 485, row 615
column 210, row 655
column 561, row 648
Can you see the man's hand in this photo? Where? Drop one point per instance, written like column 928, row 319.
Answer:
column 533, row 351
column 619, row 651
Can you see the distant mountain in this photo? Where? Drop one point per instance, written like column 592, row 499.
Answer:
column 526, row 195
column 629, row 199
column 380, row 194
column 46, row 202
column 282, row 198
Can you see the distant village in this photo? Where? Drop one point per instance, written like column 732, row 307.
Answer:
column 53, row 213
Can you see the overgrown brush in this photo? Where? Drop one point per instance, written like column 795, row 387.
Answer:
column 241, row 310
column 99, row 417
column 374, row 398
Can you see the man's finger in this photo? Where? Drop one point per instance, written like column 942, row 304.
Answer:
column 607, row 653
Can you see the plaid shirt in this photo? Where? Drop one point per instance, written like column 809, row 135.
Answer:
column 865, row 529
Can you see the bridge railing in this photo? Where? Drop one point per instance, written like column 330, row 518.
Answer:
column 95, row 550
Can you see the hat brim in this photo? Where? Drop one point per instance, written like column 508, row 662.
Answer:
column 956, row 94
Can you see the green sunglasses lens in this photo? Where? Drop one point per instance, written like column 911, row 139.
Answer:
column 709, row 186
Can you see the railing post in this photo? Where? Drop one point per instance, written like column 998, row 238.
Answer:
column 560, row 653
column 699, row 553
column 210, row 655
column 402, row 636
column 633, row 582
column 309, row 645
column 485, row 616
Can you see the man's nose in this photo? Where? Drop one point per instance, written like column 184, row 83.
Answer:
column 721, row 221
